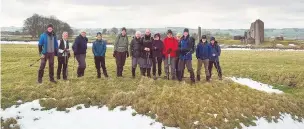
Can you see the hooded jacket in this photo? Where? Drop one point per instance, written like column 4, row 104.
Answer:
column 99, row 48
column 170, row 44
column 43, row 43
column 146, row 43
column 80, row 45
column 135, row 47
column 215, row 51
column 203, row 50
column 157, row 48
column 186, row 48
column 121, row 43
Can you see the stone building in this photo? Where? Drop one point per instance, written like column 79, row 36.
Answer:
column 255, row 33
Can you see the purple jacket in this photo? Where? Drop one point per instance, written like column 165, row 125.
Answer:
column 157, row 48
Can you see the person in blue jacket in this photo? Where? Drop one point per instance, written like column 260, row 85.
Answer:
column 99, row 50
column 80, row 50
column 203, row 54
column 48, row 47
column 214, row 60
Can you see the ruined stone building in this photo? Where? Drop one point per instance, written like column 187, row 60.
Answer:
column 256, row 33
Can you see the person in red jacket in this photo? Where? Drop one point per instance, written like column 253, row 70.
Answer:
column 169, row 51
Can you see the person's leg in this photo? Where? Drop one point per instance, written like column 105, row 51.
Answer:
column 83, row 63
column 159, row 61
column 117, row 59
column 206, row 64
column 51, row 67
column 60, row 63
column 78, row 68
column 134, row 65
column 176, row 65
column 149, row 65
column 190, row 69
column 166, row 67
column 97, row 66
column 41, row 69
column 218, row 68
column 103, row 66
column 65, row 67
column 210, row 65
column 154, row 63
column 181, row 65
column 124, row 57
column 173, row 69
column 199, row 68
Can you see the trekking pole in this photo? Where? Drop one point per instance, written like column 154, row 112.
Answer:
column 73, row 67
column 34, row 62
column 148, row 59
column 169, row 63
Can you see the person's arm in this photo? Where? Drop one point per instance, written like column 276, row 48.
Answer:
column 127, row 46
column 40, row 44
column 219, row 50
column 105, row 48
column 209, row 51
column 197, row 52
column 75, row 45
column 60, row 50
column 93, row 48
column 131, row 47
column 116, row 43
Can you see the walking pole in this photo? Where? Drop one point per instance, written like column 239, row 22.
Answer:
column 34, row 62
column 73, row 67
column 169, row 65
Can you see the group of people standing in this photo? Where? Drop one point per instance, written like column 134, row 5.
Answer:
column 148, row 52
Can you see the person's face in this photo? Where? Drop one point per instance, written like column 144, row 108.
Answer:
column 83, row 34
column 137, row 35
column 156, row 38
column 50, row 29
column 212, row 41
column 65, row 36
column 123, row 33
column 147, row 32
column 169, row 35
column 99, row 37
column 186, row 34
column 204, row 40
column 178, row 37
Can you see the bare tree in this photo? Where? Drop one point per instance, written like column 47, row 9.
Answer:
column 104, row 31
column 114, row 30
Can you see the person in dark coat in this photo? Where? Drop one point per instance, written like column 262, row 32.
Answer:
column 214, row 60
column 63, row 56
column 121, row 53
column 135, row 51
column 146, row 54
column 48, row 48
column 157, row 49
column 80, row 50
column 203, row 54
column 185, row 56
column 99, row 49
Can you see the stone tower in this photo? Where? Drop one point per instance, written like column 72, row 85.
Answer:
column 199, row 33
column 256, row 32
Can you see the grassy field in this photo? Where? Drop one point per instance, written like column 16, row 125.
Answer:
column 176, row 104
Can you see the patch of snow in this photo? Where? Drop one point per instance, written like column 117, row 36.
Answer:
column 292, row 45
column 249, row 49
column 196, row 122
column 86, row 118
column 226, row 120
column 279, row 45
column 286, row 122
column 215, row 115
column 19, row 102
column 256, row 85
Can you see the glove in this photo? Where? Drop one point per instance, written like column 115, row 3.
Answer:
column 155, row 48
column 114, row 54
column 127, row 54
column 169, row 51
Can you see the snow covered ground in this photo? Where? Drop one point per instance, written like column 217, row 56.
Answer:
column 256, row 85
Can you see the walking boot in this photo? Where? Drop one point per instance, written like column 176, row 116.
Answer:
column 208, row 78
column 40, row 75
column 133, row 72
column 220, row 77
column 98, row 73
column 144, row 71
column 192, row 77
column 198, row 77
column 105, row 73
column 179, row 76
column 149, row 72
column 79, row 72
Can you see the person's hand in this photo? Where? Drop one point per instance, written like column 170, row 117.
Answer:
column 42, row 56
column 155, row 48
column 148, row 49
column 213, row 54
column 114, row 54
column 169, row 51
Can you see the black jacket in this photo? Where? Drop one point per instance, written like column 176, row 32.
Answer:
column 146, row 43
column 157, row 48
column 80, row 45
column 135, row 47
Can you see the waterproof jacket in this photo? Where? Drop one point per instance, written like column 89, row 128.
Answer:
column 63, row 45
column 146, row 43
column 186, row 48
column 99, row 48
column 121, row 43
column 135, row 47
column 170, row 44
column 43, row 43
column 157, row 48
column 216, row 51
column 80, row 45
column 203, row 51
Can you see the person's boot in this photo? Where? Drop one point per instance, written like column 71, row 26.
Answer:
column 182, row 74
column 58, row 75
column 198, row 77
column 144, row 71
column 192, row 77
column 133, row 72
column 174, row 77
column 82, row 72
column 79, row 72
column 220, row 77
column 208, row 78
column 179, row 76
column 149, row 72
column 51, row 75
column 105, row 73
column 64, row 75
column 40, row 75
column 98, row 73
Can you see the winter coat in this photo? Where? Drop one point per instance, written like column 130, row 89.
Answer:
column 215, row 52
column 43, row 43
column 157, row 48
column 186, row 48
column 80, row 45
column 135, row 47
column 99, row 48
column 146, row 43
column 170, row 44
column 121, row 43
column 203, row 51
column 63, row 45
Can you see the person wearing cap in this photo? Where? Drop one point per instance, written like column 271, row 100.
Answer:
column 203, row 54
column 48, row 47
column 214, row 60
column 169, row 51
column 185, row 57
column 121, row 51
column 99, row 49
column 135, row 51
column 63, row 56
column 80, row 50
column 146, row 54
column 157, row 48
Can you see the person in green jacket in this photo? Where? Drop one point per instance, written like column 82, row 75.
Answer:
column 121, row 51
column 99, row 50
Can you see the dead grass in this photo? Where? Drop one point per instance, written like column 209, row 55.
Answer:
column 170, row 102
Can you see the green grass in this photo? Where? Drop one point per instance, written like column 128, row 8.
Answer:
column 176, row 104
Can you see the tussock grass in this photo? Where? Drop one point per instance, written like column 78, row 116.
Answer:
column 170, row 102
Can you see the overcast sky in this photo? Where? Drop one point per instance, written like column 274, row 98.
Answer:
column 211, row 14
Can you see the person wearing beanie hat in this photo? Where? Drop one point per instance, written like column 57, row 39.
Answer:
column 146, row 54
column 157, row 48
column 48, row 48
column 80, row 50
column 121, row 44
column 169, row 52
column 203, row 54
column 63, row 56
column 135, row 51
column 99, row 49
column 185, row 58
column 214, row 60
